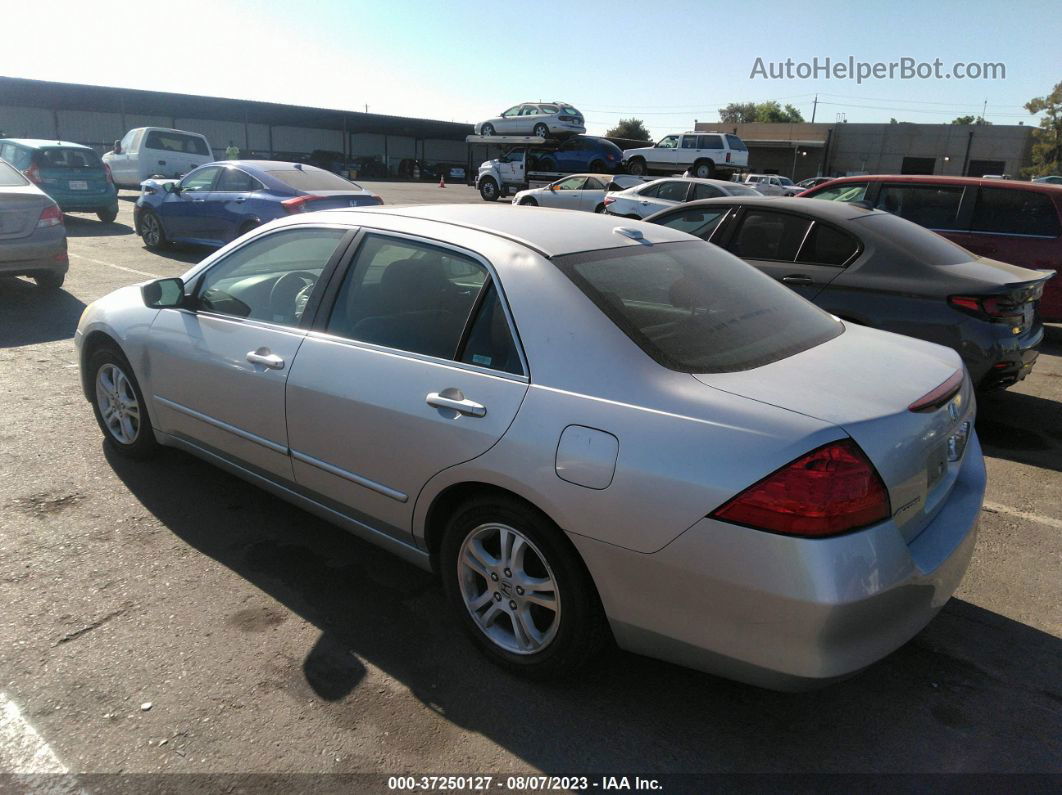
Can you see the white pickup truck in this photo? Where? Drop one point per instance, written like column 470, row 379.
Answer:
column 772, row 184
column 707, row 155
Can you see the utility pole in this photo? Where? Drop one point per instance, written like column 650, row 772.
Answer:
column 983, row 109
column 366, row 108
column 814, row 107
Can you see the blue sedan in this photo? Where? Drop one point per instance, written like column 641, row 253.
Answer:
column 218, row 202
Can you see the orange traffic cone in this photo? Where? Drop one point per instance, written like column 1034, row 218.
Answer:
column 442, row 180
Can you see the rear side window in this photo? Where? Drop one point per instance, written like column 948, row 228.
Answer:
column 931, row 206
column 490, row 342
column 736, row 143
column 694, row 308
column 849, row 192
column 917, row 241
column 10, row 177
column 690, row 142
column 711, row 142
column 700, row 222
column 768, row 235
column 61, row 157
column 702, row 191
column 176, row 142
column 1015, row 212
column 673, row 191
column 312, row 179
column 828, row 246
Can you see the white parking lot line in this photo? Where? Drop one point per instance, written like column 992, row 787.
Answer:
column 116, row 267
column 22, row 750
column 995, row 507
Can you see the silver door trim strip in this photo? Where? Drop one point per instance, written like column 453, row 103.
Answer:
column 250, row 437
column 372, row 485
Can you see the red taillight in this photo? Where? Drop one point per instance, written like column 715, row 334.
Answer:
column 298, row 203
column 609, row 200
column 33, row 174
column 937, row 397
column 728, row 157
column 989, row 307
column 107, row 171
column 50, row 216
column 830, row 490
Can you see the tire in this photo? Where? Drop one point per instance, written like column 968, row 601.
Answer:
column 115, row 391
column 49, row 281
column 151, row 231
column 484, row 591
column 247, row 227
column 704, row 170
column 541, row 130
column 597, row 167
column 108, row 215
column 528, row 202
column 600, row 209
column 486, row 129
column 488, row 189
column 636, row 167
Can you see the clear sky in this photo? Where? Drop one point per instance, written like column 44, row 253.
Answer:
column 667, row 63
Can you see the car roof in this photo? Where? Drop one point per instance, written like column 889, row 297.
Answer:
column 550, row 232
column 944, row 180
column 826, row 210
column 41, row 143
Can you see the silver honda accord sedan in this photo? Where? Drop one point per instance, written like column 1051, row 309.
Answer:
column 591, row 429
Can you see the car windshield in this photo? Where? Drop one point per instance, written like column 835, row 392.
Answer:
column 570, row 110
column 10, row 178
column 313, row 179
column 695, row 308
column 920, row 243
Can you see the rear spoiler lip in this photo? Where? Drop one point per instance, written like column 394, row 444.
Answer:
column 940, row 395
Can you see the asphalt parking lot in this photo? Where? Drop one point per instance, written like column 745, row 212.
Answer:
column 267, row 641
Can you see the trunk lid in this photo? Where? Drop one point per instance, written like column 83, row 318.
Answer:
column 864, row 381
column 19, row 210
column 1002, row 292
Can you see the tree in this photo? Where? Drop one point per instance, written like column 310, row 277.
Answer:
column 1047, row 140
column 771, row 111
column 971, row 119
column 634, row 129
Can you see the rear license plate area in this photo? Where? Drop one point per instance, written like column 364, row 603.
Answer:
column 78, row 184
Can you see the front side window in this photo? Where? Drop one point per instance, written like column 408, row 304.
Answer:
column 694, row 308
column 849, row 192
column 699, row 222
column 513, row 111
column 593, row 184
column 200, row 180
column 931, row 206
column 768, row 235
column 270, row 278
column 571, row 183
column 233, row 180
column 670, row 142
column 407, row 295
column 1015, row 212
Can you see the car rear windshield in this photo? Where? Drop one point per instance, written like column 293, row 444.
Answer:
column 67, row 157
column 177, row 142
column 568, row 109
column 919, row 242
column 695, row 308
column 306, row 179
column 10, row 177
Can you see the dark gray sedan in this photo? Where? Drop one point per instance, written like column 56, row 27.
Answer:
column 32, row 235
column 875, row 269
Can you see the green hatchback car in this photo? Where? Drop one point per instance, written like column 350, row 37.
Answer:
column 72, row 174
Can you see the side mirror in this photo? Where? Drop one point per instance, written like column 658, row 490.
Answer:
column 171, row 187
column 163, row 293
column 117, row 147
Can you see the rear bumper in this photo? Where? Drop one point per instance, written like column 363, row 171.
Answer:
column 44, row 251
column 788, row 613
column 996, row 361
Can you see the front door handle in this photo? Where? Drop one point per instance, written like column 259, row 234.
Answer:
column 462, row 405
column 797, row 279
column 263, row 357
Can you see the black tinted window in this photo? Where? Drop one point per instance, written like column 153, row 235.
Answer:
column 1015, row 212
column 695, row 308
column 61, row 157
column 176, row 142
column 699, row 222
column 702, row 191
column 828, row 246
column 848, row 192
column 650, row 190
column 313, row 179
column 234, row 180
column 768, row 235
column 490, row 343
column 673, row 191
column 736, row 143
column 711, row 142
column 931, row 206
column 407, row 295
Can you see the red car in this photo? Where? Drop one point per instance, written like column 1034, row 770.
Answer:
column 1007, row 220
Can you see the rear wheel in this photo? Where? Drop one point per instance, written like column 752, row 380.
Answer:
column 704, row 170
column 486, row 129
column 597, row 167
column 546, row 164
column 488, row 189
column 151, row 230
column 119, row 405
column 49, row 281
column 541, row 130
column 108, row 215
column 520, row 590
column 636, row 167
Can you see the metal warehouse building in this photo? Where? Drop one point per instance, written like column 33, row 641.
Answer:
column 97, row 116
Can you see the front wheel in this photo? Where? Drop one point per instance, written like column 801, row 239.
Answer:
column 600, row 209
column 520, row 590
column 151, row 231
column 597, row 167
column 119, row 405
column 486, row 129
column 488, row 189
column 528, row 202
column 108, row 215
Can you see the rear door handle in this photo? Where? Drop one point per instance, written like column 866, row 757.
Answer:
column 464, row 406
column 263, row 357
column 797, row 279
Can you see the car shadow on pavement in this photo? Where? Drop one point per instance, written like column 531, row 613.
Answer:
column 84, row 226
column 179, row 253
column 1022, row 428
column 30, row 315
column 975, row 691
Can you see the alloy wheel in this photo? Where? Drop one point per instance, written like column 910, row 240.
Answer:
column 152, row 232
column 508, row 588
column 118, row 404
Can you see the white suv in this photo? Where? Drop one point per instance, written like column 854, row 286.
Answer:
column 535, row 118
column 703, row 154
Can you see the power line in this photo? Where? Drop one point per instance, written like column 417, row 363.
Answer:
column 917, row 101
